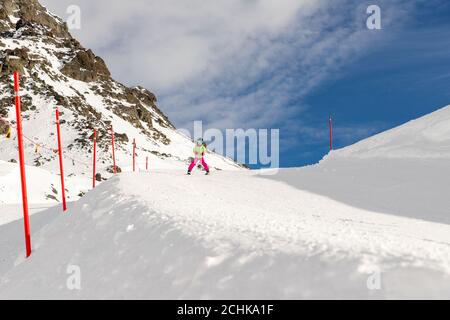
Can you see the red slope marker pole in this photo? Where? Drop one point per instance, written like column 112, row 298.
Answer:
column 61, row 167
column 331, row 133
column 113, row 151
column 95, row 159
column 134, row 155
column 26, row 218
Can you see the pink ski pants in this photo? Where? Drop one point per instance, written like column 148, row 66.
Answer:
column 194, row 162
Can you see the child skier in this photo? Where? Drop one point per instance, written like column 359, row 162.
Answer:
column 199, row 153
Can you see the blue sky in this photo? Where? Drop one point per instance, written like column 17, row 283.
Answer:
column 404, row 78
column 284, row 64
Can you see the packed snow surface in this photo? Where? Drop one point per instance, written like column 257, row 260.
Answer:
column 229, row 235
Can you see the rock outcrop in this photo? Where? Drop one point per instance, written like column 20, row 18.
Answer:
column 87, row 67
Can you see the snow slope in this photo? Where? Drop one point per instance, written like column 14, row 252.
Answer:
column 413, row 188
column 316, row 232
column 403, row 171
column 229, row 235
column 44, row 190
column 425, row 138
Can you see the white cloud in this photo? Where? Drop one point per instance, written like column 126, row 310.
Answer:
column 231, row 63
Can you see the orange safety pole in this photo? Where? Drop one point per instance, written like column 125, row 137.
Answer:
column 23, row 179
column 134, row 155
column 95, row 159
column 61, row 168
column 113, row 150
column 331, row 133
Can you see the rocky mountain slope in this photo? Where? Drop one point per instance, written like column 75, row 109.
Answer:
column 56, row 70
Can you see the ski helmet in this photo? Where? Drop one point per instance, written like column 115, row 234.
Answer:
column 199, row 141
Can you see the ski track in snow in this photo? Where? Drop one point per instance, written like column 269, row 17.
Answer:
column 271, row 215
column 232, row 234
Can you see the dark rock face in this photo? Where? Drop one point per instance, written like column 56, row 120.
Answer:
column 4, row 127
column 110, row 169
column 6, row 8
column 31, row 12
column 14, row 60
column 87, row 67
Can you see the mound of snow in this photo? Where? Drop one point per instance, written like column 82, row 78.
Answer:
column 44, row 190
column 40, row 183
column 229, row 235
column 426, row 137
column 402, row 171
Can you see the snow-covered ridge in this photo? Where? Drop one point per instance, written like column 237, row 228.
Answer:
column 425, row 138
